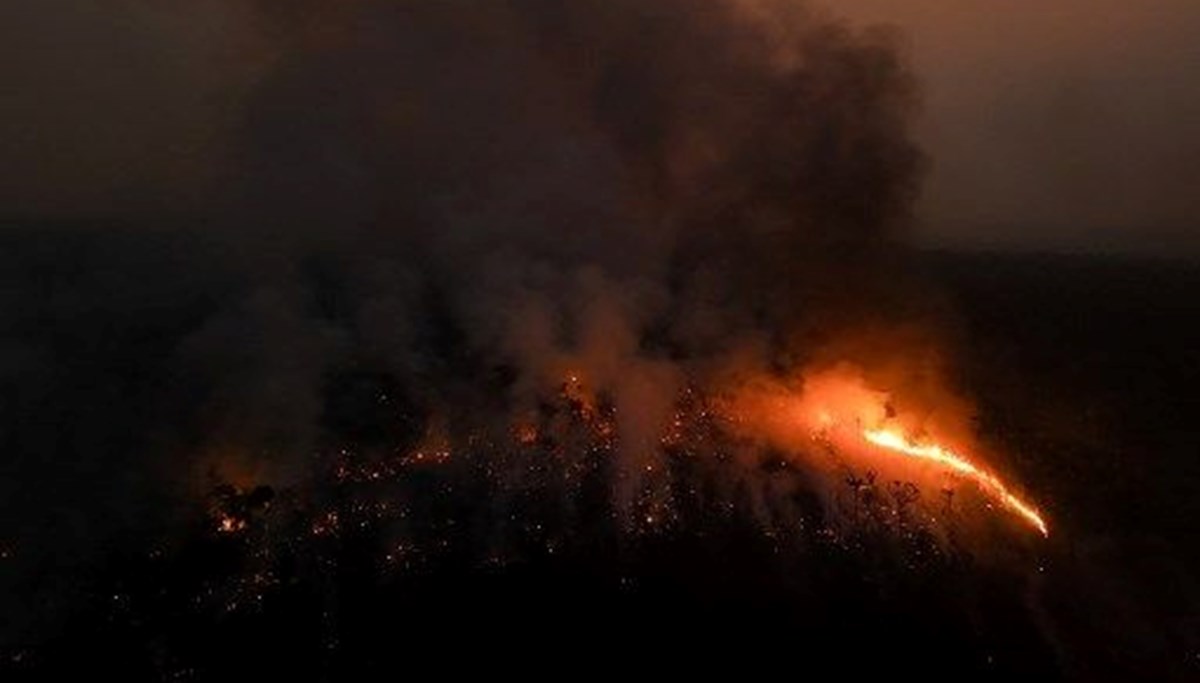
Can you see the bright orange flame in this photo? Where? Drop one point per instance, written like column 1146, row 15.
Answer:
column 991, row 485
column 230, row 525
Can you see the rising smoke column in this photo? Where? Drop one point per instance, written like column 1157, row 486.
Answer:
column 637, row 193
column 478, row 200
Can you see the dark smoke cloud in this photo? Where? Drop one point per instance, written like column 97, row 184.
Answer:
column 646, row 194
column 617, row 188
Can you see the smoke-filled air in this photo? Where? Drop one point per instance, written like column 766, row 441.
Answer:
column 517, row 274
column 567, row 238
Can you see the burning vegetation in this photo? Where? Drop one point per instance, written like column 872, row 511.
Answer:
column 831, row 435
column 496, row 283
column 897, row 443
column 602, row 282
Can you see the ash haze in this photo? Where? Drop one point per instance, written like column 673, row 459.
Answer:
column 1066, row 125
column 642, row 195
column 1071, row 125
column 461, row 211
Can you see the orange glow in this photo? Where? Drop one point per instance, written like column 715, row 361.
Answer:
column 526, row 433
column 895, row 442
column 859, row 425
column 230, row 525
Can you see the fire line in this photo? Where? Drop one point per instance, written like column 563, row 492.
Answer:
column 991, row 485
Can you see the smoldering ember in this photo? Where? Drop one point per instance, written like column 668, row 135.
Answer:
column 589, row 333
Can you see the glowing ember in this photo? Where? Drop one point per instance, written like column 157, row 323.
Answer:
column 230, row 525
column 991, row 485
column 526, row 434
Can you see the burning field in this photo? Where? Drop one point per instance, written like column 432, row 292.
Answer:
column 510, row 328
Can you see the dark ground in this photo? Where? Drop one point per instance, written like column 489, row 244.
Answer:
column 1086, row 368
column 1090, row 368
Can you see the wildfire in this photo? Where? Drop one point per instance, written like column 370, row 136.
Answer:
column 838, row 417
column 895, row 442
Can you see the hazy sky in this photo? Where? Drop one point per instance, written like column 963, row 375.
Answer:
column 1062, row 124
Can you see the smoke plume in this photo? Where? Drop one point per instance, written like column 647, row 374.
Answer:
column 635, row 193
column 420, row 221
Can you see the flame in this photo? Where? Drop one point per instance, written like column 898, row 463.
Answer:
column 991, row 485
column 228, row 524
column 853, row 420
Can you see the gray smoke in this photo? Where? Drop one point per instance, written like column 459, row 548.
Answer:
column 630, row 190
column 475, row 199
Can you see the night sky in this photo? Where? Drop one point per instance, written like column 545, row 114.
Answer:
column 1073, row 126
